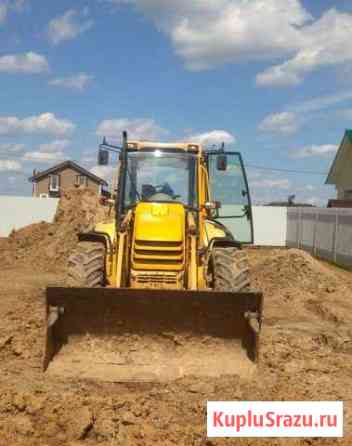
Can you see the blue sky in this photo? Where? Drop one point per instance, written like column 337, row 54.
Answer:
column 271, row 78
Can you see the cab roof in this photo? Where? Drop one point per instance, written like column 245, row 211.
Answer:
column 182, row 146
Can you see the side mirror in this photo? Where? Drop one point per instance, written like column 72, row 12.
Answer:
column 103, row 157
column 221, row 162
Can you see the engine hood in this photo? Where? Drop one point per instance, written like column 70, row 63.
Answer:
column 159, row 222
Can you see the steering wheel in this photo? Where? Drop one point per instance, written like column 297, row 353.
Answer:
column 159, row 196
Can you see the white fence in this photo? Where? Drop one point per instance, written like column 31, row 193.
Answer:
column 270, row 225
column 325, row 233
column 17, row 212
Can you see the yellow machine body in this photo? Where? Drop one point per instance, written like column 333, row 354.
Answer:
column 159, row 239
column 158, row 291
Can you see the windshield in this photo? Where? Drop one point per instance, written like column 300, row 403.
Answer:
column 160, row 177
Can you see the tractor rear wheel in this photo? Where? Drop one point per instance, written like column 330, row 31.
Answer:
column 230, row 270
column 86, row 265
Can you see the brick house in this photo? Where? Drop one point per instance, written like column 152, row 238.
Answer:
column 67, row 175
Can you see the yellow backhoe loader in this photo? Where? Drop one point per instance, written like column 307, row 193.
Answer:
column 163, row 290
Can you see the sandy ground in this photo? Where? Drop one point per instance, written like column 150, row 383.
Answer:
column 306, row 354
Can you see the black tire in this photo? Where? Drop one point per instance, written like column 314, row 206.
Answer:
column 230, row 270
column 86, row 265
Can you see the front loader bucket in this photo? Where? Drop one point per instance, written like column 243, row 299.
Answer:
column 119, row 335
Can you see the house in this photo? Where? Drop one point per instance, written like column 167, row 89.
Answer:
column 67, row 175
column 340, row 173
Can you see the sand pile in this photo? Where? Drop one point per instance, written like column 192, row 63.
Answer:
column 48, row 245
column 292, row 268
column 306, row 315
column 306, row 355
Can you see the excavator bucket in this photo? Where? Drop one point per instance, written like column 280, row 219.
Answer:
column 119, row 335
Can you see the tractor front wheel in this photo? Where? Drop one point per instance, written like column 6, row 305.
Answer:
column 86, row 265
column 230, row 270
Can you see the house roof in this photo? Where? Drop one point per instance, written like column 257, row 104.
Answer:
column 340, row 156
column 64, row 165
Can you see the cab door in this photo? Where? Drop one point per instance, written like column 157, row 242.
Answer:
column 229, row 186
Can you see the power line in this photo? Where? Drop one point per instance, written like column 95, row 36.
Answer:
column 274, row 169
column 253, row 166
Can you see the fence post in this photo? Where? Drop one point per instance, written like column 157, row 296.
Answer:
column 299, row 227
column 315, row 233
column 336, row 236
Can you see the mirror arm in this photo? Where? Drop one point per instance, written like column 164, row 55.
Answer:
column 114, row 149
column 233, row 216
column 105, row 145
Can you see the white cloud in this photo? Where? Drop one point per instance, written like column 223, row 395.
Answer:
column 43, row 157
column 89, row 157
column 7, row 5
column 291, row 119
column 89, row 161
column 325, row 42
column 283, row 123
column 269, row 183
column 142, row 129
column 68, row 26
column 10, row 166
column 104, row 172
column 48, row 152
column 28, row 63
column 116, row 2
column 78, row 81
column 314, row 201
column 213, row 137
column 3, row 12
column 325, row 150
column 58, row 145
column 206, row 33
column 12, row 180
column 307, row 188
column 19, row 5
column 253, row 174
column 346, row 113
column 266, row 187
column 276, row 76
column 46, row 123
column 297, row 115
column 11, row 148
column 322, row 102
